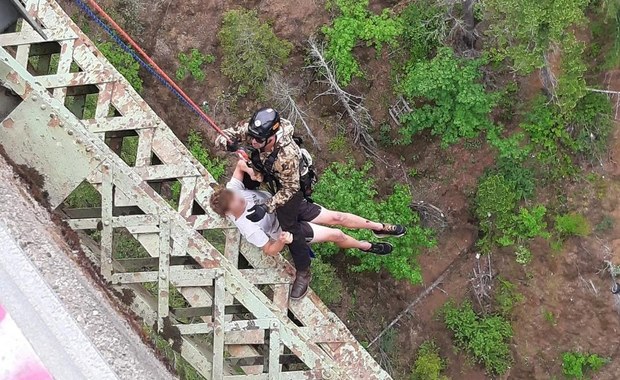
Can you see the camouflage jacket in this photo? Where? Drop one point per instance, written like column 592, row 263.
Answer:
column 286, row 165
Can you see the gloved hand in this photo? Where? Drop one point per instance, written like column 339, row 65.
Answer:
column 222, row 141
column 257, row 212
column 232, row 146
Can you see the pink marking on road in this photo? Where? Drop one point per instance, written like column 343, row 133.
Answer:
column 2, row 313
column 32, row 371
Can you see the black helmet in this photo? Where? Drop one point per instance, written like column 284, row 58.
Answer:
column 264, row 123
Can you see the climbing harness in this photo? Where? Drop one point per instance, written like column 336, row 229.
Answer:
column 307, row 173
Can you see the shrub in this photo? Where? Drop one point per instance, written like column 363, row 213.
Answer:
column 507, row 297
column 452, row 104
column 251, row 50
column 571, row 84
column 500, row 221
column 215, row 166
column 343, row 187
column 325, row 283
column 575, row 364
column 523, row 30
column 428, row 364
column 192, row 63
column 523, row 255
column 84, row 196
column 123, row 62
column 606, row 224
column 513, row 154
column 356, row 23
column 424, row 28
column 551, row 143
column 591, row 124
column 485, row 338
column 572, row 224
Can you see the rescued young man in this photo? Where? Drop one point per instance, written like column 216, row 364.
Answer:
column 277, row 157
column 235, row 202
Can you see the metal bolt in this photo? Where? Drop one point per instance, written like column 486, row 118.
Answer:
column 70, row 132
column 106, row 222
column 43, row 106
column 88, row 149
column 97, row 158
column 164, row 220
column 78, row 141
column 34, row 98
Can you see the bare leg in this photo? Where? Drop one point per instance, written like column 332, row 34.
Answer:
column 325, row 234
column 345, row 219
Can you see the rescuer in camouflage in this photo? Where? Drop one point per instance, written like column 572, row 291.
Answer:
column 277, row 158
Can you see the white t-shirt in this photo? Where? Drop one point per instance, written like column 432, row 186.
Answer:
column 258, row 233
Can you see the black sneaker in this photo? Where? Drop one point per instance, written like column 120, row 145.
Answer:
column 380, row 248
column 390, row 230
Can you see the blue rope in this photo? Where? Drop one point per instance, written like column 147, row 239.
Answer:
column 133, row 54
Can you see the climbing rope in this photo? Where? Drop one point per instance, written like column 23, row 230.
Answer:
column 131, row 47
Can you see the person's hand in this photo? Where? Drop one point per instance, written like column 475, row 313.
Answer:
column 257, row 212
column 256, row 176
column 221, row 141
column 285, row 237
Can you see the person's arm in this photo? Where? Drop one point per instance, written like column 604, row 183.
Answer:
column 241, row 168
column 288, row 168
column 236, row 133
column 273, row 247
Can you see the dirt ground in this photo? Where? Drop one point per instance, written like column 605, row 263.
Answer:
column 569, row 285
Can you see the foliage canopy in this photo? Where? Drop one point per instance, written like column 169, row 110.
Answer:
column 356, row 23
column 251, row 50
column 344, row 187
column 485, row 338
column 453, row 104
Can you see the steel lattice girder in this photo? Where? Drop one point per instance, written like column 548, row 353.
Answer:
column 43, row 134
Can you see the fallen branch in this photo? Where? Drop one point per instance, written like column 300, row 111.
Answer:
column 409, row 308
column 361, row 121
column 284, row 96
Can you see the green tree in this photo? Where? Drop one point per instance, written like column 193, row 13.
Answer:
column 453, row 104
column 355, row 23
column 251, row 50
column 424, row 28
column 344, row 187
column 525, row 30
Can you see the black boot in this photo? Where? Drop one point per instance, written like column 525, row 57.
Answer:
column 380, row 248
column 301, row 284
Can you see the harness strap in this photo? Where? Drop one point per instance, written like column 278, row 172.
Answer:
column 266, row 168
